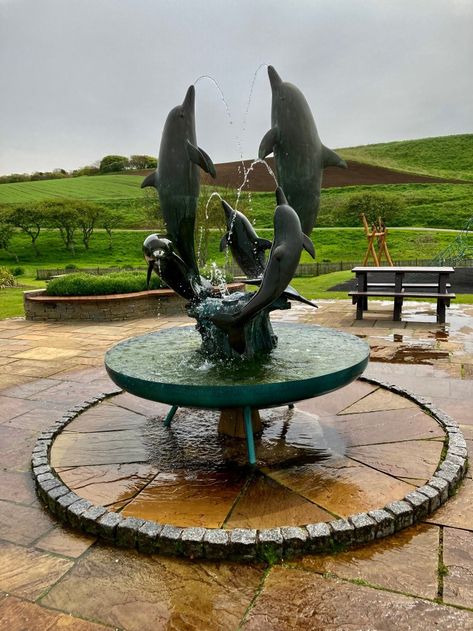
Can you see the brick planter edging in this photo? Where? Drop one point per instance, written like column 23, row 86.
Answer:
column 246, row 544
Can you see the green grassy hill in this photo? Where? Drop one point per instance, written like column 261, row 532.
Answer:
column 98, row 188
column 443, row 156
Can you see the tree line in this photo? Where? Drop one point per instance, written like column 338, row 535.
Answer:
column 70, row 217
column 108, row 164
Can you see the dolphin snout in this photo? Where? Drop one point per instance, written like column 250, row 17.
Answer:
column 189, row 99
column 274, row 79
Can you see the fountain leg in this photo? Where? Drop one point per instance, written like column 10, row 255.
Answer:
column 250, row 443
column 170, row 416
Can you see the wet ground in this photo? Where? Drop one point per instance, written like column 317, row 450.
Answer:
column 422, row 578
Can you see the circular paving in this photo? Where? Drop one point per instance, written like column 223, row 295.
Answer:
column 344, row 468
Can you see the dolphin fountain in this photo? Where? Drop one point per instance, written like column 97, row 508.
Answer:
column 239, row 366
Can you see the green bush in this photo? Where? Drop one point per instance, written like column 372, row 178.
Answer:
column 17, row 271
column 82, row 284
column 6, row 278
column 373, row 205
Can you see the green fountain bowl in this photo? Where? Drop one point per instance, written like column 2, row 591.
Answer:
column 166, row 366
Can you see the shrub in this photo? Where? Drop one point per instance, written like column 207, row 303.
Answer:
column 113, row 163
column 6, row 278
column 373, row 205
column 17, row 271
column 70, row 266
column 82, row 284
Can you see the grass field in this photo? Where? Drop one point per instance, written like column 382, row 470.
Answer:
column 442, row 156
column 331, row 245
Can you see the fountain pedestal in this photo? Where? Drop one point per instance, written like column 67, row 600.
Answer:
column 232, row 422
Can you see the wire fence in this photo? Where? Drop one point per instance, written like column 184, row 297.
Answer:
column 303, row 270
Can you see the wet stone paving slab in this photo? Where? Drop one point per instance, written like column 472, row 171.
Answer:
column 308, row 471
column 53, row 577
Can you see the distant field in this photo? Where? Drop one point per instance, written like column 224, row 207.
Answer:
column 442, row 156
column 94, row 188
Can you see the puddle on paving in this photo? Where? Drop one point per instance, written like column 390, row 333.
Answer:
column 289, row 438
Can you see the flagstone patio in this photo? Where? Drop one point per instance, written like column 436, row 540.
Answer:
column 55, row 578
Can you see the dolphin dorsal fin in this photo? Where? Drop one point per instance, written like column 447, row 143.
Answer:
column 199, row 157
column 269, row 141
column 331, row 159
column 280, row 197
column 308, row 245
column 150, row 180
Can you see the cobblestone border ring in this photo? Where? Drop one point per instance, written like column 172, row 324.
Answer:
column 242, row 543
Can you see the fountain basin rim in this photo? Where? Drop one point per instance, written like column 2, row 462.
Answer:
column 255, row 395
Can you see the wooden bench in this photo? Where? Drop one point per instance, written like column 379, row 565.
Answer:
column 400, row 289
column 443, row 300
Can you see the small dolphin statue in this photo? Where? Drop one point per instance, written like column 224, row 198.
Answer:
column 298, row 151
column 247, row 248
column 177, row 178
column 288, row 243
column 160, row 256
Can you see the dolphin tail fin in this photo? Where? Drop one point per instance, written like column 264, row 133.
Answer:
column 331, row 159
column 149, row 180
column 308, row 245
column 199, row 157
column 293, row 294
column 267, row 144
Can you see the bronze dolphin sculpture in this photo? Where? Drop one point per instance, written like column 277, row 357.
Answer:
column 299, row 154
column 177, row 178
column 245, row 245
column 161, row 258
column 288, row 243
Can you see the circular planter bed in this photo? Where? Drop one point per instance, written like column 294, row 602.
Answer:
column 141, row 304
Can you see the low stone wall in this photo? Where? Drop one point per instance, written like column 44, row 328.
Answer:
column 39, row 306
column 143, row 304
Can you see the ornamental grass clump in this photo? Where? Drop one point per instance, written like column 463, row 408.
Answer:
column 6, row 278
column 82, row 284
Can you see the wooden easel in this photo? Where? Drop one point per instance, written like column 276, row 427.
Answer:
column 378, row 232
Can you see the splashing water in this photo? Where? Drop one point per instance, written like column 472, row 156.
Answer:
column 247, row 173
column 217, row 277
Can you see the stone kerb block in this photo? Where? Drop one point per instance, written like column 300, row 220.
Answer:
column 148, row 537
column 295, row 540
column 170, row 540
column 365, row 527
column 385, row 522
column 343, row 532
column 270, row 544
column 319, row 537
column 420, row 504
column 193, row 542
column 107, row 525
column 242, row 544
column 216, row 543
column 403, row 513
column 127, row 532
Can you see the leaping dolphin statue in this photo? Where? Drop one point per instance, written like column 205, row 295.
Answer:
column 177, row 178
column 161, row 258
column 299, row 154
column 245, row 245
column 288, row 243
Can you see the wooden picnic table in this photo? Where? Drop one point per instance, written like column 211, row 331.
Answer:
column 367, row 285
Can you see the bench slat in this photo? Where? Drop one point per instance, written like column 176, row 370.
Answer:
column 401, row 294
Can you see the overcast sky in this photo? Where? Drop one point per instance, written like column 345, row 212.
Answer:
column 83, row 78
